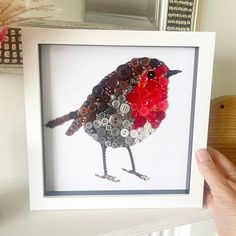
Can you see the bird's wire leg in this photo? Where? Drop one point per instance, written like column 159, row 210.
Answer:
column 133, row 171
column 106, row 176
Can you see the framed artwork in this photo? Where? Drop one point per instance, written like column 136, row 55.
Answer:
column 114, row 117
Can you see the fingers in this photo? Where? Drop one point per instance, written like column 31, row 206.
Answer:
column 209, row 171
column 224, row 164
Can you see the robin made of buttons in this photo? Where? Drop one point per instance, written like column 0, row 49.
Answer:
column 124, row 108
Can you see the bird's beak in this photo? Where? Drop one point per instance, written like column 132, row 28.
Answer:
column 172, row 72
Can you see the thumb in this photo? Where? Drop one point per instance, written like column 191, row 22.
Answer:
column 209, row 171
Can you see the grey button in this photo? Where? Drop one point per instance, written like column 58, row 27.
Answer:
column 128, row 140
column 115, row 120
column 110, row 110
column 101, row 115
column 121, row 98
column 120, row 140
column 107, row 143
column 101, row 140
column 115, row 132
column 124, row 108
column 88, row 125
column 124, row 133
column 111, row 139
column 108, row 127
column 101, row 131
column 96, row 124
column 114, row 145
column 129, row 89
column 95, row 136
column 116, row 104
column 126, row 124
column 134, row 133
column 104, row 121
column 113, row 97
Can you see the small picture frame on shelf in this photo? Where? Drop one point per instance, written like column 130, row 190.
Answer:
column 114, row 117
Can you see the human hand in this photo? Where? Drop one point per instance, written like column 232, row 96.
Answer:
column 220, row 189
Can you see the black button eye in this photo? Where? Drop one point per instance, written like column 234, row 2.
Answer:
column 151, row 74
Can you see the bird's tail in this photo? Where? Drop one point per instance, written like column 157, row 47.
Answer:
column 76, row 124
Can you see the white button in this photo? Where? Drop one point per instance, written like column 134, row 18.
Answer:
column 134, row 133
column 104, row 121
column 124, row 132
column 116, row 104
column 124, row 108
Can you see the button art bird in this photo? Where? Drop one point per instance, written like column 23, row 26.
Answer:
column 126, row 106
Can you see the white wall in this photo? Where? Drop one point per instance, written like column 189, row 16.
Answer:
column 219, row 16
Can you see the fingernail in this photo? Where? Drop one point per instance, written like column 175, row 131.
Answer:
column 202, row 156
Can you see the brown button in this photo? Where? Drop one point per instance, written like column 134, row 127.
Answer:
column 92, row 108
column 82, row 120
column 102, row 106
column 98, row 90
column 117, row 91
column 144, row 61
column 138, row 70
column 123, row 85
column 83, row 111
column 134, row 62
column 123, row 72
column 91, row 98
column 91, row 116
column 105, row 98
column 113, row 82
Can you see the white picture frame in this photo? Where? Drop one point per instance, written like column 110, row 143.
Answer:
column 39, row 44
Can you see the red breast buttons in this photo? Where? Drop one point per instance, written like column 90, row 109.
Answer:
column 139, row 122
column 134, row 106
column 143, row 111
column 163, row 81
column 83, row 111
column 161, row 70
column 123, row 72
column 160, row 115
column 162, row 105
